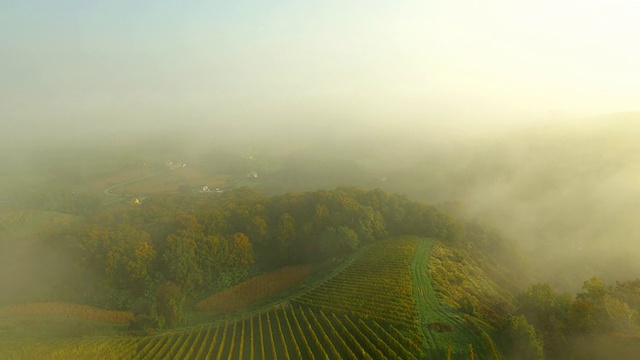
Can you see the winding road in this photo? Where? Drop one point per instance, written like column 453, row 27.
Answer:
column 108, row 190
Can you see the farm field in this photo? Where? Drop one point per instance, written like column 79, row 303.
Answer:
column 376, row 307
column 283, row 332
column 15, row 217
column 27, row 220
column 166, row 181
column 122, row 177
column 66, row 310
column 253, row 290
column 375, row 285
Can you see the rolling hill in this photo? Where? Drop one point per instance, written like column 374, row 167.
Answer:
column 382, row 304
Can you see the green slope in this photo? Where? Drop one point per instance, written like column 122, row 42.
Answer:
column 381, row 305
column 443, row 326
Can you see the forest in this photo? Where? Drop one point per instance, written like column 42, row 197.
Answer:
column 204, row 244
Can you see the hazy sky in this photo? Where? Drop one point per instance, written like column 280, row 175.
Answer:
column 103, row 64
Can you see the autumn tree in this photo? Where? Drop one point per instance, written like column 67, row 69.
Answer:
column 589, row 313
column 171, row 300
column 285, row 236
column 180, row 262
column 622, row 318
column 548, row 311
column 520, row 340
column 209, row 254
column 241, row 250
column 123, row 258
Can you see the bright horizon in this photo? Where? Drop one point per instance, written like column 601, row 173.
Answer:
column 116, row 65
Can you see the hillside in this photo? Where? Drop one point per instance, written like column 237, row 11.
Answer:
column 382, row 304
column 344, row 273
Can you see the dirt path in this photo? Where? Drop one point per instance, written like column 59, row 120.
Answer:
column 108, row 190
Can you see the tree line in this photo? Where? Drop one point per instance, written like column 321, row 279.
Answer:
column 546, row 322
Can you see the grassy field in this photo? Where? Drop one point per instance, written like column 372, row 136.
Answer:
column 163, row 181
column 441, row 325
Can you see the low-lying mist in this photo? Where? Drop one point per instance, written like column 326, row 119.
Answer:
column 567, row 191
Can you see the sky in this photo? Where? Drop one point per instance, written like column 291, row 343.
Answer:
column 113, row 66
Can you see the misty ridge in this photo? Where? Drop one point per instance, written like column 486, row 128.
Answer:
column 564, row 189
column 336, row 179
column 105, row 218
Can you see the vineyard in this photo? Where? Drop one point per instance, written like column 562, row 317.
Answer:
column 15, row 217
column 283, row 332
column 377, row 285
column 366, row 311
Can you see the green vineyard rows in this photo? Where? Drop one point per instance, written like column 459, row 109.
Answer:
column 378, row 306
column 377, row 285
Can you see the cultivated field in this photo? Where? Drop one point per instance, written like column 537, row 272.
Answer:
column 58, row 309
column 380, row 305
column 254, row 290
column 376, row 285
column 26, row 220
column 15, row 217
column 284, row 332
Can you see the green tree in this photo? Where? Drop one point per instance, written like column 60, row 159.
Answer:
column 140, row 266
column 347, row 238
column 581, row 317
column 590, row 302
column 520, row 340
column 285, row 236
column 210, row 259
column 171, row 300
column 622, row 318
column 549, row 312
column 593, row 291
column 181, row 261
column 241, row 249
column 540, row 304
column 122, row 258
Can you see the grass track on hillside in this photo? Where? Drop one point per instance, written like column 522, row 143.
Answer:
column 432, row 312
